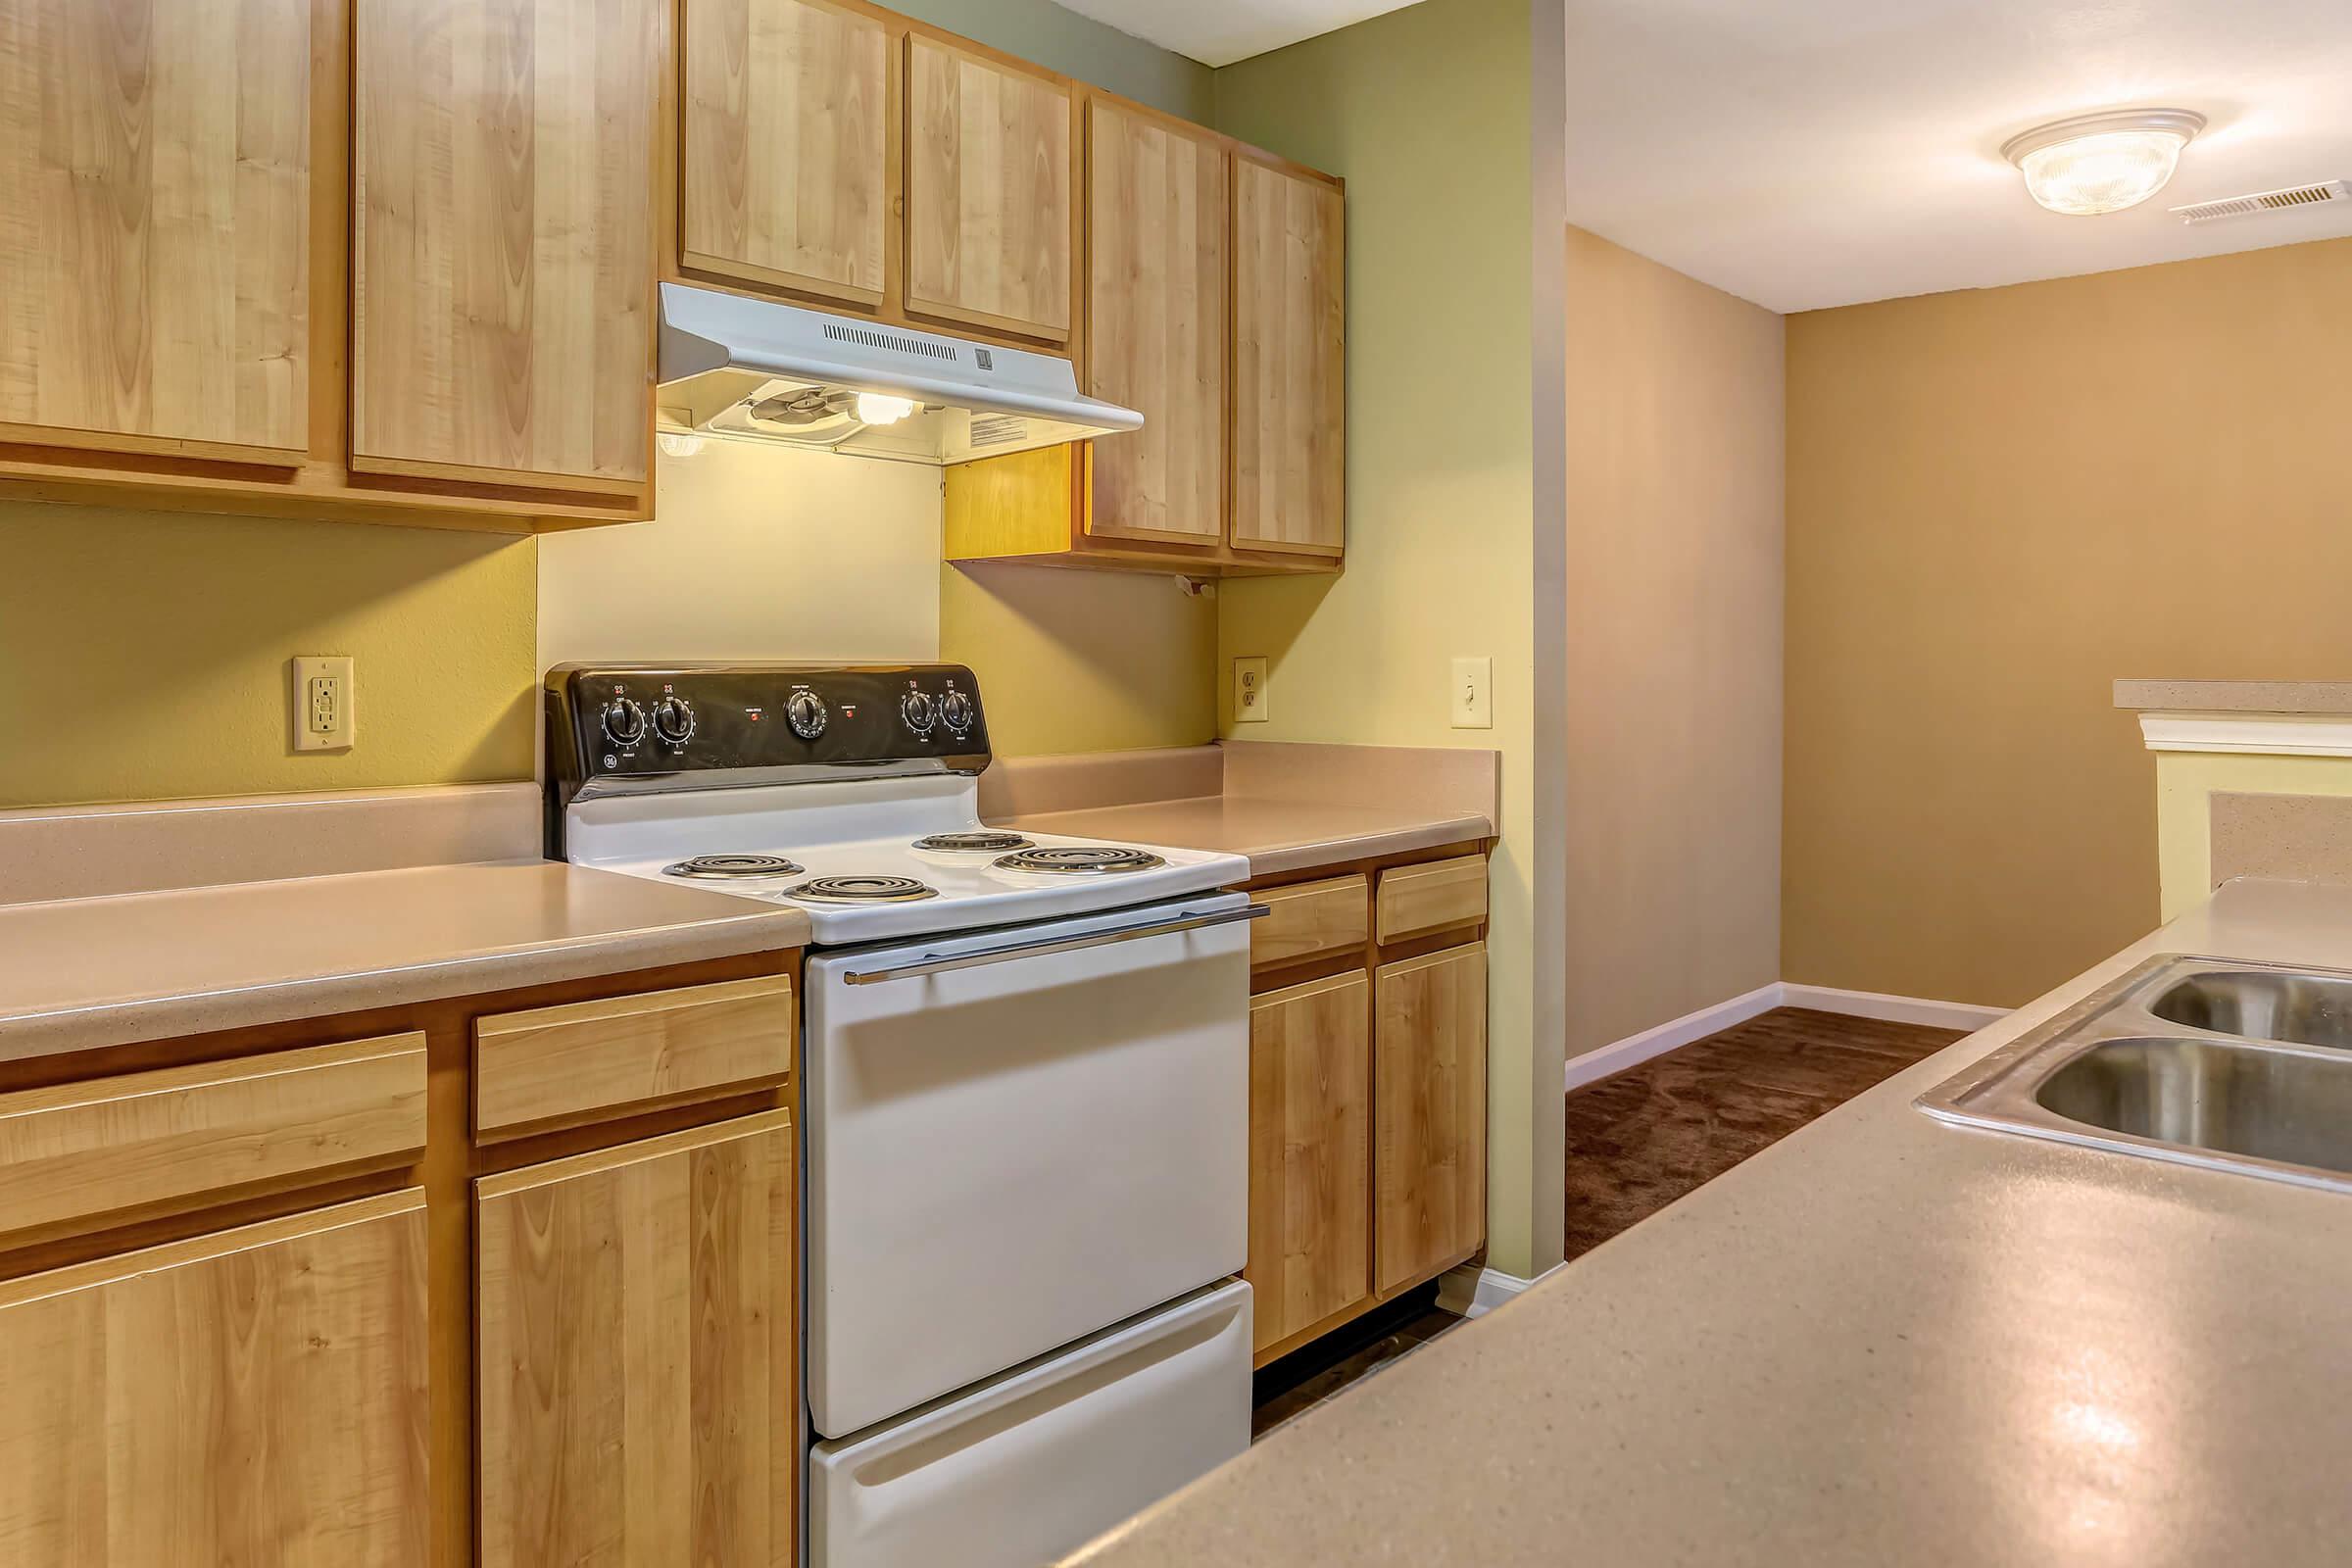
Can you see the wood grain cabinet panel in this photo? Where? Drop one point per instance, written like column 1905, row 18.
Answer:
column 110, row 1144
column 1308, row 920
column 637, row 1354
column 989, row 192
column 253, row 1397
column 1156, row 214
column 503, row 260
column 1290, row 349
column 787, row 149
column 1310, row 1186
column 155, row 227
column 1432, row 896
column 555, row 1065
column 1430, row 1087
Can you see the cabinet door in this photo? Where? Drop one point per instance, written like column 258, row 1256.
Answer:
column 1156, row 211
column 155, row 170
column 988, row 192
column 1289, row 346
column 637, row 1354
column 256, row 1397
column 1310, row 1193
column 1430, row 1085
column 787, row 148
column 503, row 260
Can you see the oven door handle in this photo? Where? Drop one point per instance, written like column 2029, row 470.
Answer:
column 1039, row 946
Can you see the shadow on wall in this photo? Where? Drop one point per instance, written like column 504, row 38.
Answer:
column 1280, row 609
column 1073, row 660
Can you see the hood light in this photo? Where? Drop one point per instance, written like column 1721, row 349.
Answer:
column 879, row 407
column 2102, row 162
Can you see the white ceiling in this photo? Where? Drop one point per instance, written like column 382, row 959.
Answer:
column 1218, row 32
column 1824, row 152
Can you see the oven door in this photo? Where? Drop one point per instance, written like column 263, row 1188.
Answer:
column 1014, row 1138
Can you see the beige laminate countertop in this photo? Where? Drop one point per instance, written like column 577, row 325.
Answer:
column 86, row 972
column 1883, row 1339
column 1277, row 835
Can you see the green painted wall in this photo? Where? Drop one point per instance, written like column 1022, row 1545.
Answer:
column 1427, row 113
column 145, row 654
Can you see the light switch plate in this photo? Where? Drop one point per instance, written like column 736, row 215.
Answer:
column 1250, row 691
column 1473, row 691
column 322, row 703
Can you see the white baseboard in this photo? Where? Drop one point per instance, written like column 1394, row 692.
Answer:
column 1473, row 1291
column 1890, row 1010
column 1634, row 1049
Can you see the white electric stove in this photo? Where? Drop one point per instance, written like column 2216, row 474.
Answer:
column 1024, row 1092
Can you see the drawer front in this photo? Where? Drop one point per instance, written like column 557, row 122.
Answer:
column 1311, row 918
column 78, row 1150
column 555, row 1065
column 1432, row 896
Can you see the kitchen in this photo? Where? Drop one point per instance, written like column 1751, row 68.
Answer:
column 420, row 1016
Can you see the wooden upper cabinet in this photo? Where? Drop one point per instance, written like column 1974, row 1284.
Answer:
column 155, row 258
column 637, row 1354
column 1289, row 342
column 989, row 192
column 502, row 258
column 1156, row 209
column 256, row 1397
column 787, row 150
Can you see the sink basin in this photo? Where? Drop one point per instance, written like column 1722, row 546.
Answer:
column 2232, row 1066
column 2285, row 1106
column 2305, row 1009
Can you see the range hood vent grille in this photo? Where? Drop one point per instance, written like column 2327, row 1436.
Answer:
column 2269, row 201
column 868, row 337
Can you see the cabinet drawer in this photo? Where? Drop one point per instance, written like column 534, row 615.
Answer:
column 1414, row 899
column 592, row 1059
column 1309, row 918
column 71, row 1152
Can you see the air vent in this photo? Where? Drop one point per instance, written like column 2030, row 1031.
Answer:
column 868, row 337
column 2269, row 201
column 995, row 429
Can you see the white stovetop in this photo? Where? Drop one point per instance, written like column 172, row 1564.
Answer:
column 869, row 829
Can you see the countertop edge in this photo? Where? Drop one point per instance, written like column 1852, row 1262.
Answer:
column 1282, row 859
column 2316, row 697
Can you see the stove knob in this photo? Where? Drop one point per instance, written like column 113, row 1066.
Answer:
column 919, row 713
column 805, row 712
column 956, row 711
column 673, row 721
column 624, row 722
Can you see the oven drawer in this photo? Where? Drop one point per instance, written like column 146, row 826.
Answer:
column 1030, row 1466
column 1308, row 919
column 1432, row 896
column 1015, row 1138
column 552, row 1066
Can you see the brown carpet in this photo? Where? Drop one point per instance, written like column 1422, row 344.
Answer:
column 1642, row 1138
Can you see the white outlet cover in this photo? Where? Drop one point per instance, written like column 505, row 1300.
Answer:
column 336, row 670
column 1250, row 693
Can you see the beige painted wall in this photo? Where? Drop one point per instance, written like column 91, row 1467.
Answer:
column 1675, row 449
column 144, row 655
column 1999, row 502
column 1426, row 113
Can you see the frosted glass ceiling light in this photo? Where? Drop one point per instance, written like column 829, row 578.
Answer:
column 2102, row 162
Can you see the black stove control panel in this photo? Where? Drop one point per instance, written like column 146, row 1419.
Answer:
column 623, row 728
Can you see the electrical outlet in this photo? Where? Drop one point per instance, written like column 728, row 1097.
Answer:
column 322, row 703
column 1250, row 691
column 1473, row 693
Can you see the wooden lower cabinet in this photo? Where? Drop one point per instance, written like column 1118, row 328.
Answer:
column 255, row 1396
column 1430, row 1091
column 635, row 1340
column 1310, row 1181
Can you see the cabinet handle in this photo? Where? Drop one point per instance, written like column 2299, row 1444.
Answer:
column 1039, row 946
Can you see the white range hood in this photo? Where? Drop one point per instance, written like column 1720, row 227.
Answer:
column 754, row 370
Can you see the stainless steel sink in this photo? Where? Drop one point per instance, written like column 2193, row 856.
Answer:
column 2233, row 1066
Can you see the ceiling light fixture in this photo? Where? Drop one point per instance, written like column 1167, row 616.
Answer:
column 2102, row 162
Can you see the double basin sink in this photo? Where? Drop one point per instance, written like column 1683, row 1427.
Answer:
column 2203, row 1061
